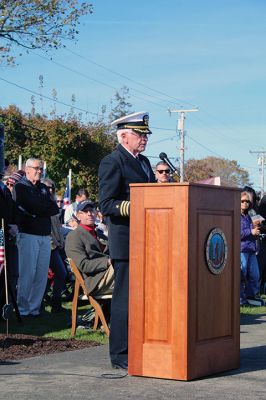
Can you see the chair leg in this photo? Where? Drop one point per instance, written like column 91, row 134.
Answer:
column 99, row 314
column 96, row 320
column 74, row 308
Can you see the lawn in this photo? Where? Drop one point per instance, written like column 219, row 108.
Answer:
column 57, row 325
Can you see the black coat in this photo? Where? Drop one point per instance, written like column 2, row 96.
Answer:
column 34, row 207
column 117, row 170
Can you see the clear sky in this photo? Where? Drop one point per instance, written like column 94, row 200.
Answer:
column 209, row 54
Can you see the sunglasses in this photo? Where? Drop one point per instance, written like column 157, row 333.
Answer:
column 9, row 184
column 161, row 171
column 60, row 201
column 245, row 201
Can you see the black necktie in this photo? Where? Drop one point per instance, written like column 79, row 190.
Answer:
column 144, row 167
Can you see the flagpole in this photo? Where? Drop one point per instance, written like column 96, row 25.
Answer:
column 20, row 161
column 44, row 169
column 69, row 182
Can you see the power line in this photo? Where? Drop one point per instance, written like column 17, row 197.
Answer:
column 47, row 97
column 101, row 82
column 127, row 78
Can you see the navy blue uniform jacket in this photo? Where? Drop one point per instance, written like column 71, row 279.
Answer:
column 117, row 170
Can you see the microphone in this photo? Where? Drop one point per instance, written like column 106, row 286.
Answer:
column 164, row 158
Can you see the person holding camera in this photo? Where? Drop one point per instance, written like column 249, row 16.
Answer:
column 250, row 278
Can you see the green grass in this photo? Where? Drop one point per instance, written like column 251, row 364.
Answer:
column 253, row 310
column 57, row 325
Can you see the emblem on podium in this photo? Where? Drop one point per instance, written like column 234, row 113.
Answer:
column 216, row 251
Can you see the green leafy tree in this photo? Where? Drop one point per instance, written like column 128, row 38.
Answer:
column 229, row 171
column 62, row 144
column 38, row 24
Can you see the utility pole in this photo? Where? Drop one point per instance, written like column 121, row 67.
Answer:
column 261, row 162
column 181, row 130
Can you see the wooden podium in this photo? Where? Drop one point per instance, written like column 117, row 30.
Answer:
column 184, row 320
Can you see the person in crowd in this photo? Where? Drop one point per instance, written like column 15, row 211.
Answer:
column 117, row 170
column 81, row 195
column 70, row 225
column 90, row 257
column 249, row 285
column 8, row 228
column 14, row 178
column 56, row 264
column 11, row 243
column 253, row 198
column 35, row 206
column 162, row 172
column 60, row 205
column 100, row 222
column 262, row 251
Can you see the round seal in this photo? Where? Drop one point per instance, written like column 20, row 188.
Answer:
column 216, row 251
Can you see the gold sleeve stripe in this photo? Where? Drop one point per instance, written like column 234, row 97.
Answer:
column 124, row 208
column 127, row 208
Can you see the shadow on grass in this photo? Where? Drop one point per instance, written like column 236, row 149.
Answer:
column 250, row 319
column 47, row 324
column 38, row 326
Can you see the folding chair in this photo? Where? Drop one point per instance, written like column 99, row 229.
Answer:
column 93, row 301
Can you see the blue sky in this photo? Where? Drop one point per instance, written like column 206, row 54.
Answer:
column 208, row 54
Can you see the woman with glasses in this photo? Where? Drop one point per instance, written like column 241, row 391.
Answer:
column 60, row 205
column 249, row 285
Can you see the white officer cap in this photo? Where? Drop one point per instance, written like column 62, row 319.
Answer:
column 138, row 122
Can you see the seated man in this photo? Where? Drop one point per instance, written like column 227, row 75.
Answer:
column 83, row 246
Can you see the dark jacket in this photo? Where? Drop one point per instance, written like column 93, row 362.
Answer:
column 86, row 253
column 6, row 204
column 248, row 241
column 34, row 207
column 116, row 172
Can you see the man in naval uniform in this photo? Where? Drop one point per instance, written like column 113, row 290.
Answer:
column 117, row 170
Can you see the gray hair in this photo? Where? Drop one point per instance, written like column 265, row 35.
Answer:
column 32, row 160
column 119, row 134
column 161, row 163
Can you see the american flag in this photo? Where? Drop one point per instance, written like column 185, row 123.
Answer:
column 66, row 197
column 2, row 250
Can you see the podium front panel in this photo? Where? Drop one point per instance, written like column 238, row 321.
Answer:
column 178, row 309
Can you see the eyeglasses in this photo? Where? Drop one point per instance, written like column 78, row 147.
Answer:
column 60, row 201
column 245, row 201
column 36, row 168
column 161, row 171
column 10, row 184
column 141, row 135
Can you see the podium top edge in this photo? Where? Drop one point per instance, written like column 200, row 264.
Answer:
column 185, row 184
